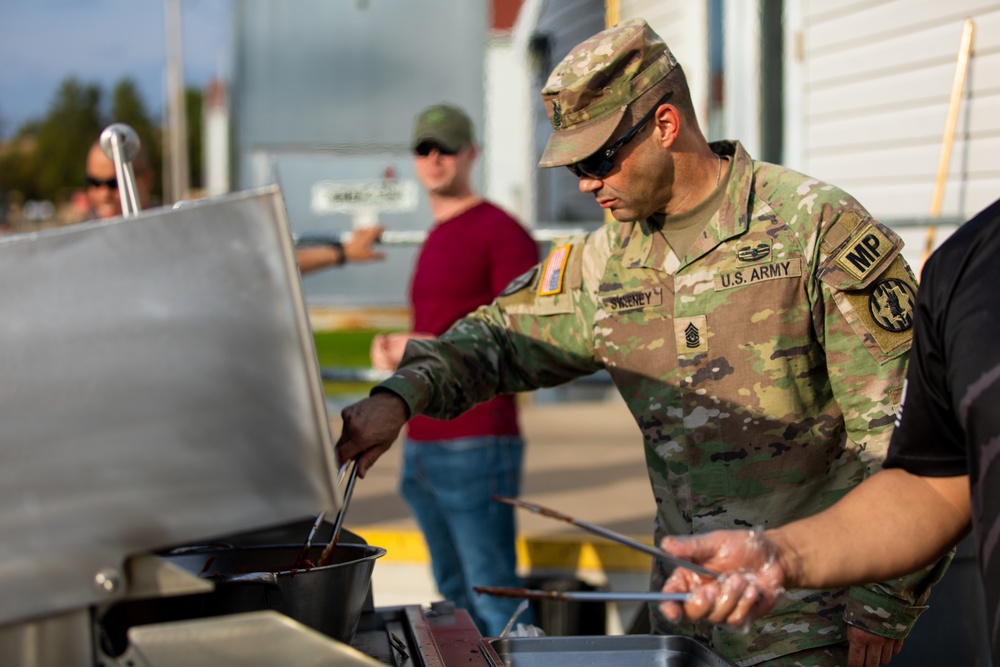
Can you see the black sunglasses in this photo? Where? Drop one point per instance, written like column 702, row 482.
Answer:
column 425, row 148
column 97, row 182
column 600, row 163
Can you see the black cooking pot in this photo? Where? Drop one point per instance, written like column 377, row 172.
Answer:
column 259, row 577
column 328, row 598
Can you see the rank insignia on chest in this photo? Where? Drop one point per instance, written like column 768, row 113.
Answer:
column 554, row 271
column 691, row 335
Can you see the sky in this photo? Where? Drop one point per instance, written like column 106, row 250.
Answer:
column 101, row 41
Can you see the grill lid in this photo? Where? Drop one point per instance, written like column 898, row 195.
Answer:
column 159, row 386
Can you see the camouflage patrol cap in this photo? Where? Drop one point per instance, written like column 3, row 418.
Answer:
column 446, row 125
column 588, row 93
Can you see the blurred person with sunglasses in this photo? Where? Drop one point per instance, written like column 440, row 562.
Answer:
column 451, row 468
column 102, row 182
column 756, row 321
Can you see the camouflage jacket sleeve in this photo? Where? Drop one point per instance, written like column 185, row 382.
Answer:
column 537, row 333
column 863, row 313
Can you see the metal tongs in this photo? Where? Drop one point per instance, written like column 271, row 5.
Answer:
column 609, row 534
column 338, row 523
column 594, row 596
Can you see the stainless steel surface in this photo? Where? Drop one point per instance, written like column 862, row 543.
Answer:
column 258, row 639
column 625, row 650
column 59, row 639
column 609, row 534
column 161, row 388
column 121, row 144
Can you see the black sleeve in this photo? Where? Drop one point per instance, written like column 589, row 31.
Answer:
column 928, row 439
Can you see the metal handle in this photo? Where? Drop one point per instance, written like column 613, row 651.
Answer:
column 121, row 144
column 269, row 579
column 200, row 548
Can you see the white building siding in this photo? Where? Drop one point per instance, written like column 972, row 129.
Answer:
column 683, row 25
column 875, row 83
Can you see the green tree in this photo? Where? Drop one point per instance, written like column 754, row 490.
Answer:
column 45, row 157
column 193, row 103
column 64, row 136
column 19, row 163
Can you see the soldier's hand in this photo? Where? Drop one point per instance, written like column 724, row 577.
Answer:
column 870, row 650
column 751, row 578
column 370, row 427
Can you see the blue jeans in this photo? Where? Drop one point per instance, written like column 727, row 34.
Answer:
column 448, row 484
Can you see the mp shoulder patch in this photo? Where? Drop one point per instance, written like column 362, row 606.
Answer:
column 866, row 250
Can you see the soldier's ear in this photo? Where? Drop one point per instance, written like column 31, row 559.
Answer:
column 668, row 124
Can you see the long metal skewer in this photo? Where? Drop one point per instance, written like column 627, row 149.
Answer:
column 609, row 534
column 581, row 596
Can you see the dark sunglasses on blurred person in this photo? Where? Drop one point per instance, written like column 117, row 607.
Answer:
column 425, row 148
column 98, row 182
column 600, row 163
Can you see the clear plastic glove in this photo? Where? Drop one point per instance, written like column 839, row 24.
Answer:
column 752, row 580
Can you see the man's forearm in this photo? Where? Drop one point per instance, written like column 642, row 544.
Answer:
column 906, row 522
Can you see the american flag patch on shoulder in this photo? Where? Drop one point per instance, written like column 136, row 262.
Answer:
column 555, row 268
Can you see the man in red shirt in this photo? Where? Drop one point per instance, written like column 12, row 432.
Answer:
column 451, row 468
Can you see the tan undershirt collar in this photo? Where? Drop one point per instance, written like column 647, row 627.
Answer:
column 682, row 229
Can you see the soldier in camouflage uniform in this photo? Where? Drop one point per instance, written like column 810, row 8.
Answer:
column 756, row 321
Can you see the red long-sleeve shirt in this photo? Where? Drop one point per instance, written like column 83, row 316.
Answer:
column 464, row 263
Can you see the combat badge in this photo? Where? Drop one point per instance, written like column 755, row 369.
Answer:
column 519, row 283
column 554, row 271
column 754, row 252
column 891, row 304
